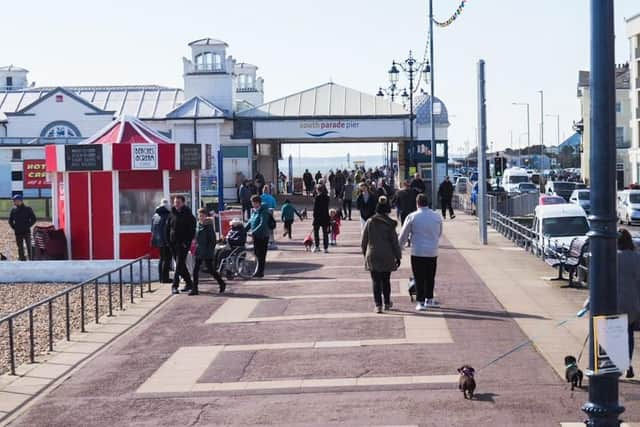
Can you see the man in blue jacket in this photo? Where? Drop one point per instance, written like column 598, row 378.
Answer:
column 259, row 228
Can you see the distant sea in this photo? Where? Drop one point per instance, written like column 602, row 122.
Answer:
column 324, row 164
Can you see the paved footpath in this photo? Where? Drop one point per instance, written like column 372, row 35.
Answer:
column 304, row 347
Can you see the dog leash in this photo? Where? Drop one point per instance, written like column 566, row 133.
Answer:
column 529, row 341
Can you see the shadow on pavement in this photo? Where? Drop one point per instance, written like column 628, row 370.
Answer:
column 497, row 314
column 485, row 397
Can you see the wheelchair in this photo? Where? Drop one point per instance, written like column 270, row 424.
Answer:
column 238, row 262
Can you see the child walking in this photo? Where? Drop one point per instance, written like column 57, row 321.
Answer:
column 205, row 251
column 288, row 213
column 335, row 219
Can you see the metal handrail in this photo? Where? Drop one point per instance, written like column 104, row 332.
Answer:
column 9, row 319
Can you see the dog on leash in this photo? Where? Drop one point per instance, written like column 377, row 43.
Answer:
column 303, row 214
column 467, row 382
column 308, row 243
column 572, row 373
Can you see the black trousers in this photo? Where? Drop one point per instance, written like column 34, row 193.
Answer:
column 22, row 240
column 260, row 247
column 446, row 203
column 347, row 205
column 381, row 287
column 325, row 235
column 180, row 255
column 208, row 262
column 424, row 273
column 246, row 211
column 288, row 227
column 164, row 264
column 631, row 341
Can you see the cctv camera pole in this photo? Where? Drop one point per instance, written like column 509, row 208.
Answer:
column 482, row 154
column 603, row 407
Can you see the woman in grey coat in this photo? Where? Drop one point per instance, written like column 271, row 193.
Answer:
column 382, row 252
column 629, row 286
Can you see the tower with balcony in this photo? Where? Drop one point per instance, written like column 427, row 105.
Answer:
column 249, row 87
column 209, row 73
column 13, row 78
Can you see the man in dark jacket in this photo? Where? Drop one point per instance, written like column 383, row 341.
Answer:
column 445, row 194
column 418, row 184
column 21, row 219
column 340, row 181
column 159, row 239
column 366, row 204
column 245, row 199
column 181, row 228
column 321, row 218
column 307, row 178
column 405, row 201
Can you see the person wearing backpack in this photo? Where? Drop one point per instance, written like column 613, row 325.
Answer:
column 259, row 228
column 159, row 239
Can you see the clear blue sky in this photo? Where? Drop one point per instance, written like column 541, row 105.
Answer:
column 528, row 45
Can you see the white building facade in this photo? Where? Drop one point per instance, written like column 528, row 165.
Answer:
column 215, row 88
column 633, row 33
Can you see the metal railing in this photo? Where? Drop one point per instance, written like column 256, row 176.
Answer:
column 10, row 319
column 521, row 235
column 39, row 140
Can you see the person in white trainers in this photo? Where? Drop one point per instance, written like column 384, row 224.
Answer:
column 424, row 228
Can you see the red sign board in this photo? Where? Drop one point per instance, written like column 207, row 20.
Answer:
column 35, row 174
column 225, row 218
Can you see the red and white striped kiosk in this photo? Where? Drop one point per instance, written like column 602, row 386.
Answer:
column 105, row 190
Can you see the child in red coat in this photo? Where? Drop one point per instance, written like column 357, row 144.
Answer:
column 335, row 220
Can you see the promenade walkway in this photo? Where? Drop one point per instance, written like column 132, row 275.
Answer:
column 304, row 347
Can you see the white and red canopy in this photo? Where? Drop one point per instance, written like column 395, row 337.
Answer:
column 127, row 144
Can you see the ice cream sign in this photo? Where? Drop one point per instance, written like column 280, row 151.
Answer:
column 324, row 128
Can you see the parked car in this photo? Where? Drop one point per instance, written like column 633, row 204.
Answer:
column 461, row 184
column 558, row 225
column 550, row 200
column 629, row 206
column 527, row 188
column 581, row 198
column 512, row 177
column 560, row 188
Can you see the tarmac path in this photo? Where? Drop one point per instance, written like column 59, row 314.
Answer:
column 304, row 347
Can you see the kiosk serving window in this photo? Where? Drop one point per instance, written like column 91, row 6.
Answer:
column 137, row 206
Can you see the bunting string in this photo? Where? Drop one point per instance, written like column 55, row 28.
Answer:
column 453, row 17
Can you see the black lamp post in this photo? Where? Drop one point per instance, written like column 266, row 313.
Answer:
column 411, row 67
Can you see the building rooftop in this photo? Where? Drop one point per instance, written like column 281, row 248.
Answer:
column 327, row 100
column 622, row 77
column 13, row 68
column 142, row 101
column 422, row 110
column 196, row 108
column 208, row 42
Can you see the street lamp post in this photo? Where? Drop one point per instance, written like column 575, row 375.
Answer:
column 603, row 407
column 557, row 116
column 541, row 127
column 410, row 67
column 526, row 104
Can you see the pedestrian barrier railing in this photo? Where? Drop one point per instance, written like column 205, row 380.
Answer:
column 572, row 258
column 116, row 278
column 463, row 203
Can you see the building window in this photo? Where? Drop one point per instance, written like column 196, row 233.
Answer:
column 242, row 81
column 59, row 98
column 60, row 129
column 16, row 154
column 620, row 142
column 138, row 206
column 9, row 81
column 208, row 61
column 618, row 107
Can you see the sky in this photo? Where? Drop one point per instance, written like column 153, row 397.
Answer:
column 527, row 45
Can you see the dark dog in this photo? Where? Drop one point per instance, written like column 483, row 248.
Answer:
column 467, row 384
column 2, row 257
column 573, row 374
column 304, row 214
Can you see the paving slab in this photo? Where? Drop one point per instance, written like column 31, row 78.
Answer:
column 289, row 350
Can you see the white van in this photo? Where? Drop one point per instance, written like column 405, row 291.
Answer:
column 558, row 225
column 512, row 177
column 629, row 206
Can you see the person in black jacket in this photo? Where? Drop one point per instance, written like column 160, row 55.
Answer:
column 159, row 239
column 405, row 201
column 418, row 184
column 205, row 252
column 21, row 219
column 307, row 178
column 366, row 204
column 321, row 218
column 445, row 194
column 181, row 228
